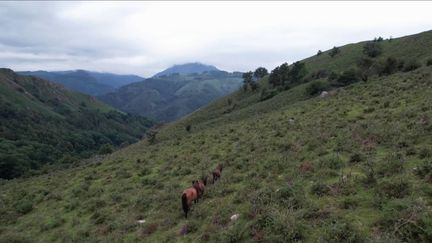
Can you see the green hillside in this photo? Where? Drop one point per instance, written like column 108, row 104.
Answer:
column 42, row 123
column 169, row 97
column 354, row 166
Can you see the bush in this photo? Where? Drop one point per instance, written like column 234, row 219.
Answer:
column 320, row 189
column 388, row 66
column 424, row 170
column 429, row 62
column 106, row 149
column 407, row 220
column 315, row 87
column 410, row 66
column 395, row 188
column 24, row 206
column 342, row 231
column 332, row 162
column 280, row 226
column 348, row 77
column 356, row 158
column 188, row 128
column 372, row 49
column 334, row 51
column 391, row 165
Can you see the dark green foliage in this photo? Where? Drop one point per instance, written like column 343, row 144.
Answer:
column 267, row 94
column 342, row 231
column 406, row 220
column 320, row 189
column 411, row 65
column 388, row 66
column 319, row 52
column 348, row 77
column 260, row 73
column 61, row 127
column 188, row 127
column 24, row 206
column 424, row 170
column 393, row 188
column 334, row 51
column 288, row 76
column 429, row 62
column 372, row 49
column 364, row 66
column 316, row 87
column 105, row 149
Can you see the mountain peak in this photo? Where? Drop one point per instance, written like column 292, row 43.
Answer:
column 187, row 68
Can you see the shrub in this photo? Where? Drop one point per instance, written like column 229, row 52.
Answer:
column 424, row 170
column 411, row 65
column 334, row 51
column 319, row 52
column 280, row 226
column 265, row 94
column 425, row 152
column 320, row 189
column 372, row 49
column 315, row 87
column 348, row 77
column 407, row 220
column 393, row 188
column 106, row 149
column 188, row 128
column 332, row 162
column 388, row 66
column 349, row 203
column 391, row 165
column 342, row 231
column 24, row 206
column 429, row 62
column 356, row 158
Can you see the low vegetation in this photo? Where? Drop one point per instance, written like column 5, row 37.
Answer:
column 352, row 166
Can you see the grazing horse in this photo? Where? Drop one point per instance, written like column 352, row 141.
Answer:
column 201, row 185
column 217, row 173
column 189, row 195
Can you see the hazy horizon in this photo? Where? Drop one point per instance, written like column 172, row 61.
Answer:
column 144, row 38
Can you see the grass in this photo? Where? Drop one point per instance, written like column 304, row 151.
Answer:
column 344, row 168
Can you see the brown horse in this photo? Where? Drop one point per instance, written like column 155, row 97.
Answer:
column 201, row 185
column 217, row 173
column 189, row 195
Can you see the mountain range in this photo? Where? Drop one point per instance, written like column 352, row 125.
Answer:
column 187, row 68
column 169, row 97
column 87, row 82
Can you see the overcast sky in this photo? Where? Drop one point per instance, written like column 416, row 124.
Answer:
column 146, row 37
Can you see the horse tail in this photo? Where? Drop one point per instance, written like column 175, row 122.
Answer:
column 185, row 204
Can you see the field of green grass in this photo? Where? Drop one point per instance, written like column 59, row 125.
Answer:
column 355, row 166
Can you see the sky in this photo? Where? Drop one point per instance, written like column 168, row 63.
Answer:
column 146, row 37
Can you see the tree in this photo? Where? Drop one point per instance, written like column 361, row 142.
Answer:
column 365, row 68
column 247, row 79
column 372, row 49
column 260, row 73
column 319, row 52
column 334, row 51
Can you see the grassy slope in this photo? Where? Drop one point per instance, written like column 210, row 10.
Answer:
column 385, row 121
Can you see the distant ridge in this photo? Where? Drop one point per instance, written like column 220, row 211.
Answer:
column 187, row 68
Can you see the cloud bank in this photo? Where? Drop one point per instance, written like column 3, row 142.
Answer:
column 146, row 37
